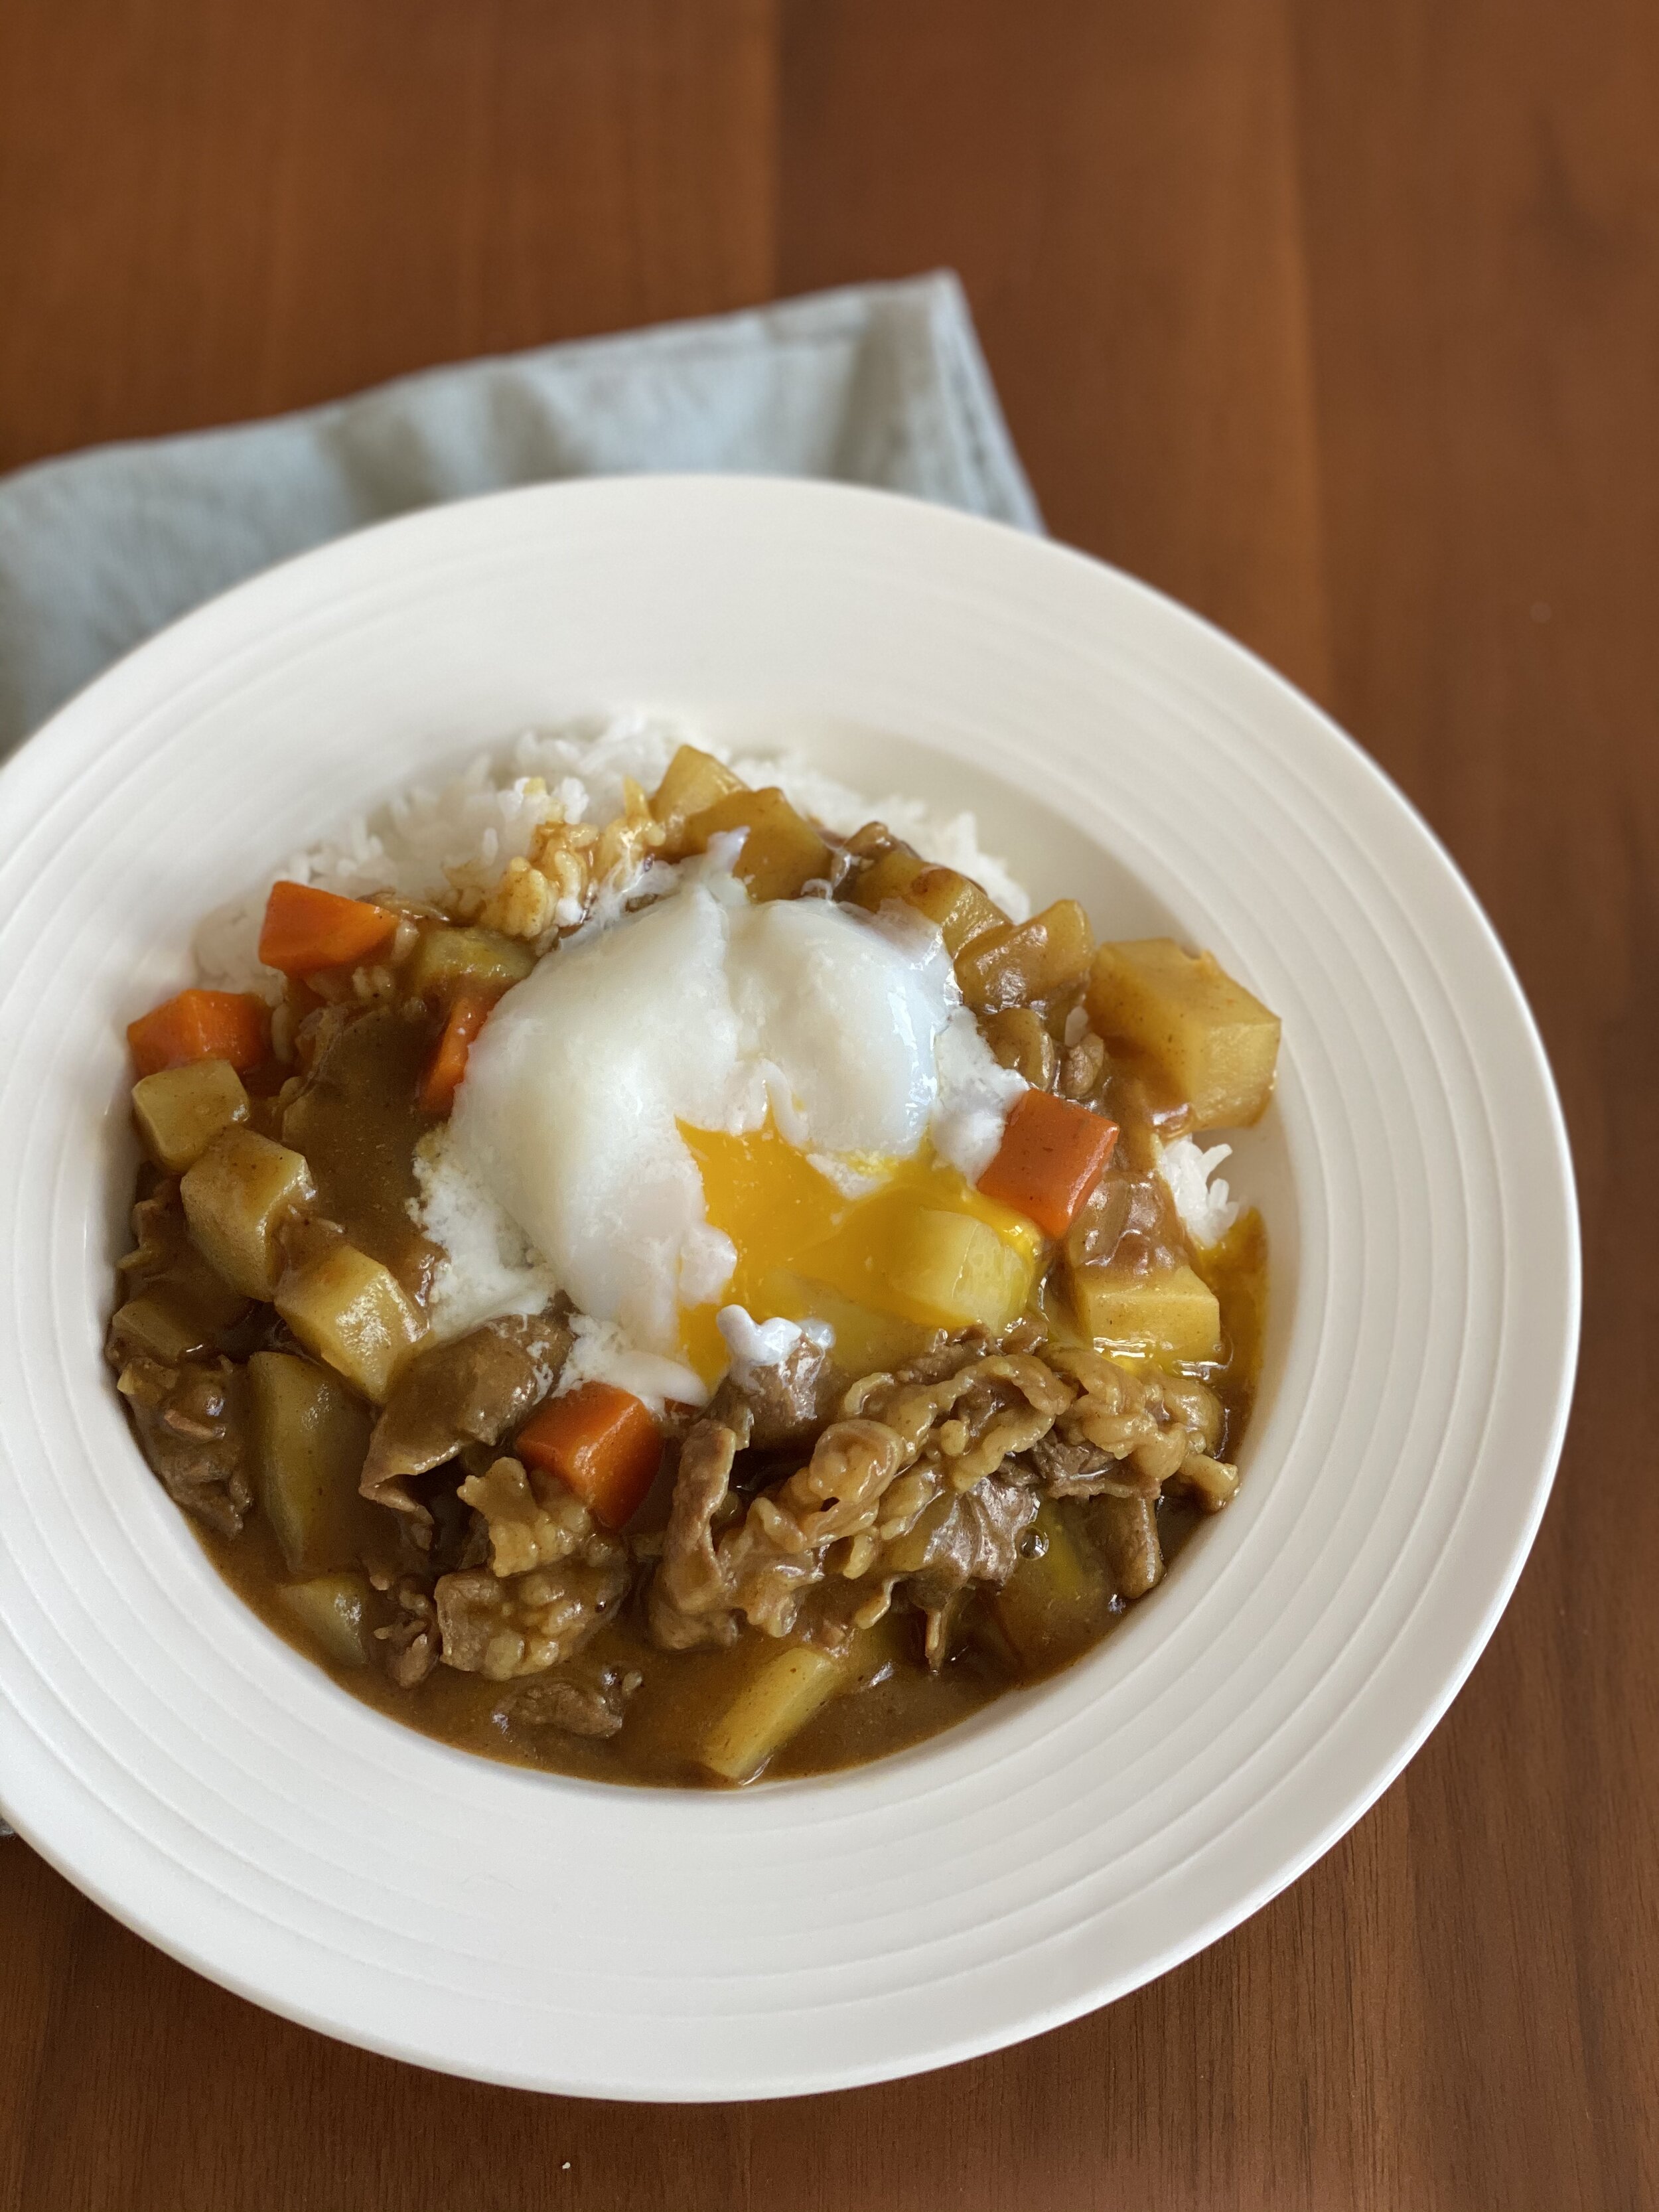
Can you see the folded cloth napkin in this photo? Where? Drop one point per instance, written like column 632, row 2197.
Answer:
column 880, row 384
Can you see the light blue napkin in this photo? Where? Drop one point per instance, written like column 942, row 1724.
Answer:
column 881, row 384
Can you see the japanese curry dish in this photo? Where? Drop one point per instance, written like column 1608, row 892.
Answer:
column 641, row 1271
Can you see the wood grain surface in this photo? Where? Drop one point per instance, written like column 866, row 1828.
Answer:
column 1337, row 317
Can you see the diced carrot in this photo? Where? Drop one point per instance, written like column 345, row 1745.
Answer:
column 443, row 1078
column 306, row 929
column 1052, row 1154
column 231, row 1025
column 602, row 1442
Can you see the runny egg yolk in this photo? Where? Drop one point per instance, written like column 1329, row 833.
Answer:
column 921, row 1250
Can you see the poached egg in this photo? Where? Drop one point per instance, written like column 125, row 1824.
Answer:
column 706, row 1105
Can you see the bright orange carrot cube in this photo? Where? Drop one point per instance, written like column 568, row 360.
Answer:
column 306, row 929
column 231, row 1025
column 1052, row 1154
column 603, row 1442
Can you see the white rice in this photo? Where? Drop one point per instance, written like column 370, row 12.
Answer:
column 489, row 815
column 1206, row 1209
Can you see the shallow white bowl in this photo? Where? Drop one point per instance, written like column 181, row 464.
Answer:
column 219, row 1795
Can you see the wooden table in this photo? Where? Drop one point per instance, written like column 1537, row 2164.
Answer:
column 1339, row 320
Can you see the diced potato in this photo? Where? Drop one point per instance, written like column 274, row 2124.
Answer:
column 1027, row 960
column 1214, row 1044
column 870, row 841
column 782, row 851
column 237, row 1197
column 310, row 1438
column 890, row 876
column 1128, row 1530
column 1174, row 1313
column 354, row 1313
column 779, row 1697
column 181, row 1110
column 957, row 1271
column 447, row 962
column 962, row 911
column 955, row 902
column 334, row 1611
column 694, row 782
column 1058, row 1597
column 865, row 1339
column 875, row 1653
column 162, row 1326
column 1019, row 1039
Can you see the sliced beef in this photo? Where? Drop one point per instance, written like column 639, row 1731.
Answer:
column 165, row 1266
column 1073, row 1468
column 1127, row 1529
column 884, row 1497
column 530, row 1519
column 1125, row 1436
column 688, row 1602
column 787, row 1405
column 192, row 1424
column 409, row 1646
column 470, row 1392
column 584, row 1709
column 1062, row 1466
column 530, row 1622
column 973, row 1537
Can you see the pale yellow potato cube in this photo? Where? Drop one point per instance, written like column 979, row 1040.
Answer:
column 237, row 1197
column 961, row 909
column 781, row 1695
column 888, row 877
column 865, row 1339
column 1027, row 960
column 447, row 962
column 1174, row 1313
column 782, row 851
column 180, row 1110
column 333, row 1610
column 354, row 1313
column 692, row 781
column 1019, row 1039
column 1214, row 1043
column 310, row 1439
column 161, row 1326
column 954, row 1270
column 1059, row 1597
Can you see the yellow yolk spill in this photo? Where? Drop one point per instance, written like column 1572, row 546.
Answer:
column 923, row 1250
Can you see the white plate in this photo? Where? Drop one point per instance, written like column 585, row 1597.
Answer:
column 219, row 1795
